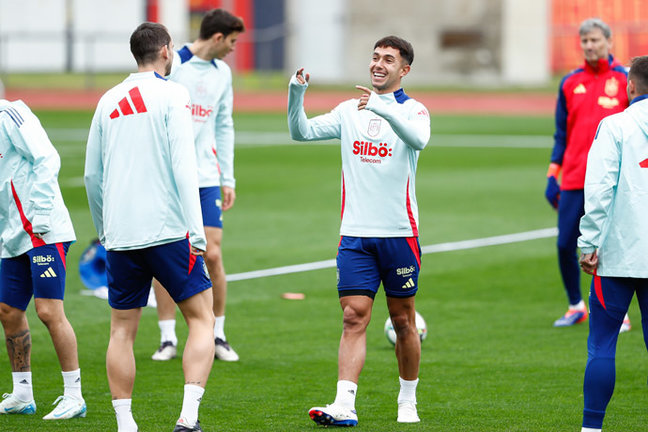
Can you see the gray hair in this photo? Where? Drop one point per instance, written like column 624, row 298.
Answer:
column 591, row 23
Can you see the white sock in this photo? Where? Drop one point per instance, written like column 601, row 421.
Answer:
column 590, row 430
column 167, row 331
column 72, row 384
column 191, row 402
column 346, row 394
column 22, row 386
column 579, row 305
column 219, row 327
column 407, row 390
column 125, row 420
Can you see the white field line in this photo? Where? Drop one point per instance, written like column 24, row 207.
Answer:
column 441, row 247
column 262, row 139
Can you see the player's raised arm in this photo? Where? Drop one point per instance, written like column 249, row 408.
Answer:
column 326, row 126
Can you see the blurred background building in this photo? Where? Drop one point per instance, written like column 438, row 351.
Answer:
column 482, row 42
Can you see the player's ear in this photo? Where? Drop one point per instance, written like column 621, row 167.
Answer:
column 165, row 51
column 631, row 89
column 218, row 37
column 405, row 70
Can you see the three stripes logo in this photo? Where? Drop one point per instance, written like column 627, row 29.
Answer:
column 14, row 115
column 49, row 273
column 125, row 105
column 409, row 284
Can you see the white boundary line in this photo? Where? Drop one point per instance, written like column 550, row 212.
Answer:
column 251, row 139
column 441, row 247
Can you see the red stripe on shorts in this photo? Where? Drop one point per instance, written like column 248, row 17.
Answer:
column 598, row 290
column 413, row 244
column 192, row 257
column 61, row 251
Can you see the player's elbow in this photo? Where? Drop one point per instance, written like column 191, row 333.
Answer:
column 419, row 144
column 297, row 134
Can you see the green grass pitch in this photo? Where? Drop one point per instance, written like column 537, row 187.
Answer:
column 491, row 362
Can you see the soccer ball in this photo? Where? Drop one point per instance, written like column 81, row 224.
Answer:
column 420, row 325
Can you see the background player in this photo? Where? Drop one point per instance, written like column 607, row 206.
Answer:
column 35, row 234
column 381, row 136
column 614, row 240
column 140, row 141
column 199, row 67
column 586, row 95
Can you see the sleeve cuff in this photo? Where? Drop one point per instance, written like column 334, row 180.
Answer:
column 587, row 249
column 229, row 183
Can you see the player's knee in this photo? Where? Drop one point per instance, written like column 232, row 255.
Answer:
column 213, row 256
column 201, row 317
column 48, row 315
column 403, row 326
column 354, row 319
column 9, row 315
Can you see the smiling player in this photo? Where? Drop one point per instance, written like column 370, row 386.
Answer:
column 381, row 136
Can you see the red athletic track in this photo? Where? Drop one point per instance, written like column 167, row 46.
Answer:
column 319, row 101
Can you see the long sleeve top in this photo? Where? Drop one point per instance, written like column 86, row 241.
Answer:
column 140, row 170
column 30, row 196
column 616, row 194
column 380, row 146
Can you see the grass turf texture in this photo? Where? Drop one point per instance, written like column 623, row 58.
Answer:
column 491, row 362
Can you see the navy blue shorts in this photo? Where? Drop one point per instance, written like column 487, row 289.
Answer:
column 212, row 206
column 363, row 263
column 131, row 272
column 39, row 272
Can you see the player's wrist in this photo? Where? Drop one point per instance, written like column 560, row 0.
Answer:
column 554, row 170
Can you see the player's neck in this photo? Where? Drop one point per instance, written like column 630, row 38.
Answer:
column 159, row 69
column 389, row 90
column 201, row 49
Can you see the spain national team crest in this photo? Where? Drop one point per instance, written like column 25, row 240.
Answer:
column 374, row 127
column 201, row 88
column 612, row 87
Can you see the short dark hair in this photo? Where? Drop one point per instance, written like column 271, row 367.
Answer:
column 404, row 47
column 146, row 41
column 639, row 74
column 220, row 21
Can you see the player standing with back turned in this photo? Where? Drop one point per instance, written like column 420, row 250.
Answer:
column 381, row 136
column 614, row 240
column 140, row 176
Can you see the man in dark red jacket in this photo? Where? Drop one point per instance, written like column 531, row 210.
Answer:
column 586, row 95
